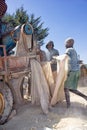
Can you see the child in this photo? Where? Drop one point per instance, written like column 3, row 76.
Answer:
column 74, row 71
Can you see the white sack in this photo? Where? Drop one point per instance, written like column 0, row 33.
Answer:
column 62, row 70
column 39, row 86
column 49, row 76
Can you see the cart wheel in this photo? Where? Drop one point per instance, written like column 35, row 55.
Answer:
column 6, row 102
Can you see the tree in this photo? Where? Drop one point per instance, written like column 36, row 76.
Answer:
column 21, row 17
column 39, row 32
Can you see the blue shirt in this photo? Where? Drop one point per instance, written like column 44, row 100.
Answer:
column 50, row 53
column 73, row 61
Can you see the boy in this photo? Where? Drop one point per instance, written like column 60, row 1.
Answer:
column 74, row 71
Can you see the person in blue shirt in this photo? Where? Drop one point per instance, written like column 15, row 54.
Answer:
column 71, row 82
column 3, row 8
column 51, row 51
column 5, row 32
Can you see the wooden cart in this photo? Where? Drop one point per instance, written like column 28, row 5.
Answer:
column 13, row 69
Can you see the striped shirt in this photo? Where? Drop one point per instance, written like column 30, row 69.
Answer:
column 3, row 8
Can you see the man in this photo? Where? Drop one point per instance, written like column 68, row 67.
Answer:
column 51, row 51
column 74, row 71
column 3, row 8
column 11, row 44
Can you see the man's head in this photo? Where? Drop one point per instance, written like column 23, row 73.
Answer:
column 3, row 8
column 50, row 44
column 69, row 42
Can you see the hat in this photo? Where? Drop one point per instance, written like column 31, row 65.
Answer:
column 50, row 42
column 69, row 42
column 3, row 8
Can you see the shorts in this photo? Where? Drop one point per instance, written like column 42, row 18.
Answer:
column 72, row 80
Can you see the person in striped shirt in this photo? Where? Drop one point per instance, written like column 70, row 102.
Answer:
column 3, row 8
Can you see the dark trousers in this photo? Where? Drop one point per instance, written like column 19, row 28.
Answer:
column 67, row 95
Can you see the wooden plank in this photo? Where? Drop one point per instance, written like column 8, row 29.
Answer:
column 15, row 63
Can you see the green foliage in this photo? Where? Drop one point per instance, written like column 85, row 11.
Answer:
column 39, row 32
column 21, row 17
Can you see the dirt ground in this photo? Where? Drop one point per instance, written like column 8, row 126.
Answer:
column 30, row 117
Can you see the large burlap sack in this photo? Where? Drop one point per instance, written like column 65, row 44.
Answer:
column 62, row 70
column 39, row 87
column 49, row 76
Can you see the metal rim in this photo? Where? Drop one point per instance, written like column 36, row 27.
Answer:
column 2, row 104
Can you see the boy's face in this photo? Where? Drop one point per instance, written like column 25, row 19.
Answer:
column 69, row 44
column 50, row 46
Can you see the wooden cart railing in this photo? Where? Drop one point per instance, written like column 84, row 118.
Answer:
column 10, row 65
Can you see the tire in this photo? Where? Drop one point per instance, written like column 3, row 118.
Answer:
column 6, row 102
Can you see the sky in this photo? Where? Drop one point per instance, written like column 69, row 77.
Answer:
column 64, row 18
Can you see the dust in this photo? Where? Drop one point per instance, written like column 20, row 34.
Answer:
column 31, row 117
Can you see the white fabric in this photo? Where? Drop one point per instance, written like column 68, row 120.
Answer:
column 49, row 76
column 56, row 89
column 39, row 87
column 62, row 71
